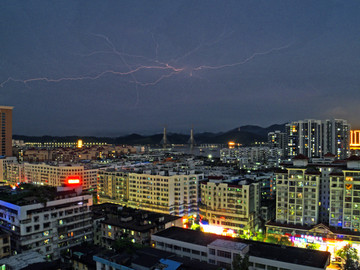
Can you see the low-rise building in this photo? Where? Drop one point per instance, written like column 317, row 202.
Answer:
column 221, row 251
column 133, row 224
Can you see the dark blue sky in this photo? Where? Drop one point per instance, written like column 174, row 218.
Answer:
column 117, row 67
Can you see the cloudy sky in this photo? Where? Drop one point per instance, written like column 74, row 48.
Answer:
column 116, row 67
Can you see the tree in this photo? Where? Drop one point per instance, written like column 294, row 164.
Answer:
column 241, row 263
column 313, row 246
column 350, row 257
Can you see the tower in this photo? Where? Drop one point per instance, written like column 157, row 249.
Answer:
column 164, row 140
column 191, row 141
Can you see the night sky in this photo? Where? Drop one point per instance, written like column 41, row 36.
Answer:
column 109, row 68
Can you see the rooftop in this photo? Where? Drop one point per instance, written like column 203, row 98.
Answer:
column 229, row 244
column 286, row 254
column 22, row 260
column 26, row 194
column 134, row 219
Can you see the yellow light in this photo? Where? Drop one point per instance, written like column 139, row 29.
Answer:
column 79, row 144
column 354, row 139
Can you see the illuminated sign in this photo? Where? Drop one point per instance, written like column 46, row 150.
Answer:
column 354, row 139
column 73, row 180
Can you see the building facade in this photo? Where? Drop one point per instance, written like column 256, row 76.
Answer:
column 6, row 131
column 297, row 195
column 50, row 174
column 113, row 186
column 174, row 194
column 315, row 138
column 231, row 205
column 221, row 251
column 50, row 227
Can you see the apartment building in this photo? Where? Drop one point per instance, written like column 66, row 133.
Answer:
column 345, row 196
column 169, row 192
column 6, row 131
column 318, row 203
column 251, row 157
column 221, row 251
column 315, row 138
column 113, row 186
column 134, row 224
column 233, row 205
column 50, row 174
column 46, row 219
column 5, row 247
column 4, row 163
column 277, row 139
column 297, row 194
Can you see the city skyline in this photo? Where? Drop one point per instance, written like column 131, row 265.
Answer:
column 114, row 68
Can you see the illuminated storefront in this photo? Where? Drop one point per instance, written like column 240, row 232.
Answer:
column 319, row 237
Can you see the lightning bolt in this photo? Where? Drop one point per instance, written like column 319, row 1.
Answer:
column 245, row 60
column 132, row 70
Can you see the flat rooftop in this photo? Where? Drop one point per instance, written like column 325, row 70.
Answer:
column 27, row 194
column 312, row 258
column 229, row 244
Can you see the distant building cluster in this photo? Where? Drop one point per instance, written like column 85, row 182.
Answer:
column 97, row 206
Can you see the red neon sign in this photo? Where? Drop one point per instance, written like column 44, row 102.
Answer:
column 73, row 180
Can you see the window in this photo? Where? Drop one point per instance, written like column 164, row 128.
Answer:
column 195, row 252
column 224, row 254
column 212, row 251
column 186, row 250
column 260, row 266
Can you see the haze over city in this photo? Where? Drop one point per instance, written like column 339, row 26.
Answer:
column 111, row 68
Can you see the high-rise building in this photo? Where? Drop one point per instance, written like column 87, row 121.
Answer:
column 174, row 193
column 318, row 203
column 297, row 194
column 315, row 138
column 6, row 131
column 277, row 139
column 231, row 205
column 113, row 186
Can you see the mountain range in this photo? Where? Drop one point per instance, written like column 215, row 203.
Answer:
column 245, row 135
